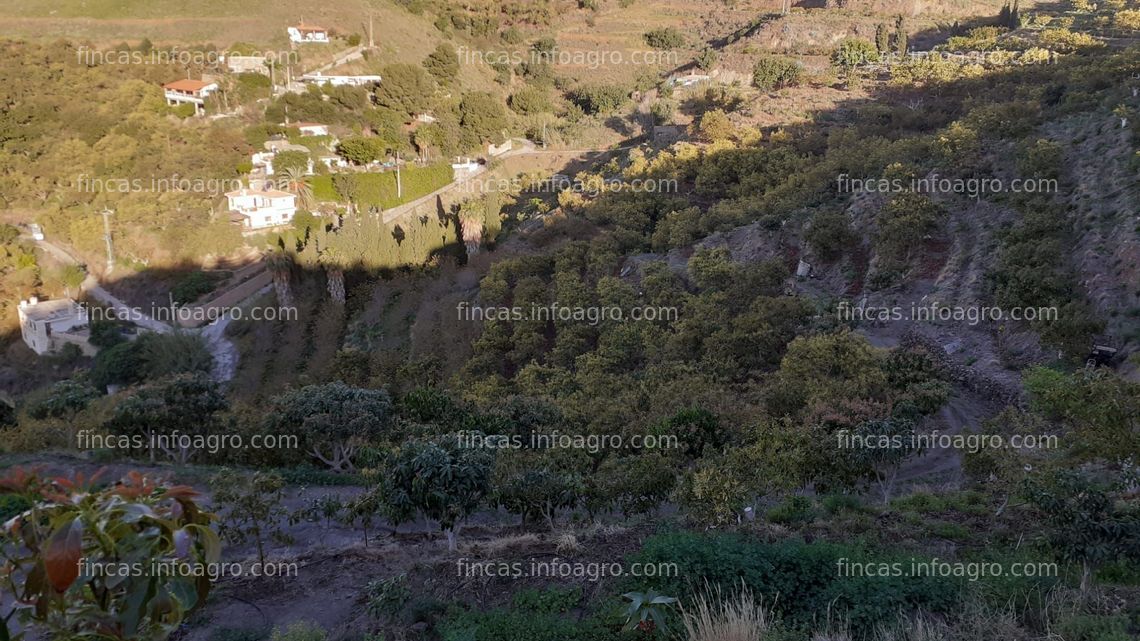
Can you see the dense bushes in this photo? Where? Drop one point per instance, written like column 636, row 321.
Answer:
column 803, row 580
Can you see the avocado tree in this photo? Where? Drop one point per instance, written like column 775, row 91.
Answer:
column 332, row 420
column 64, row 401
column 1092, row 519
column 250, row 506
column 81, row 562
column 439, row 479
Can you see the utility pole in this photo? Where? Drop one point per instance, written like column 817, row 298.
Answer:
column 107, row 237
column 371, row 42
column 399, row 185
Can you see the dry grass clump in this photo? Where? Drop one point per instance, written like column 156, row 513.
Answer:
column 737, row 618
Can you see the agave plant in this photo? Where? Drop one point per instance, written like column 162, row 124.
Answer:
column 647, row 610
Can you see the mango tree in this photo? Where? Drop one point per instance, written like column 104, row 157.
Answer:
column 332, row 420
column 440, row 479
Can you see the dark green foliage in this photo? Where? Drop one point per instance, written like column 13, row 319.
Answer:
column 1090, row 627
column 1089, row 523
column 775, row 72
column 193, row 286
column 600, row 99
column 830, row 234
column 530, row 100
column 549, row 601
column 806, row 578
column 63, row 400
column 439, row 479
column 443, row 63
column 11, row 505
column 699, row 432
column 664, row 38
column 519, row 625
column 406, row 88
column 331, row 420
column 794, row 509
column 105, row 333
column 483, row 118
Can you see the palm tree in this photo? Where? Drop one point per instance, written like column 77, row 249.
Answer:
column 471, row 224
column 297, row 183
column 280, row 263
column 333, row 261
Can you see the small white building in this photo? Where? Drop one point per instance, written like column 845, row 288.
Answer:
column 334, row 162
column 262, row 208
column 192, row 92
column 304, row 33
column 341, row 81
column 464, row 167
column 48, row 325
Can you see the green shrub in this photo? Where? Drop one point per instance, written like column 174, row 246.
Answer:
column 552, row 600
column 948, row 530
column 774, row 72
column 664, row 38
column 193, row 286
column 300, row 631
column 518, row 625
column 1088, row 627
column 599, row 99
column 387, row 597
column 794, row 509
column 836, row 503
column 803, row 576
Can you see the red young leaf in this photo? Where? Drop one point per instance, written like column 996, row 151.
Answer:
column 63, row 553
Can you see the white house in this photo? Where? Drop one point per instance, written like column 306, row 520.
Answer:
column 192, row 92
column 262, row 208
column 303, row 33
column 48, row 325
column 341, row 81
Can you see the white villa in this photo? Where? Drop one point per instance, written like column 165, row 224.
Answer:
column 303, row 33
column 188, row 91
column 341, row 81
column 262, row 208
column 48, row 325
